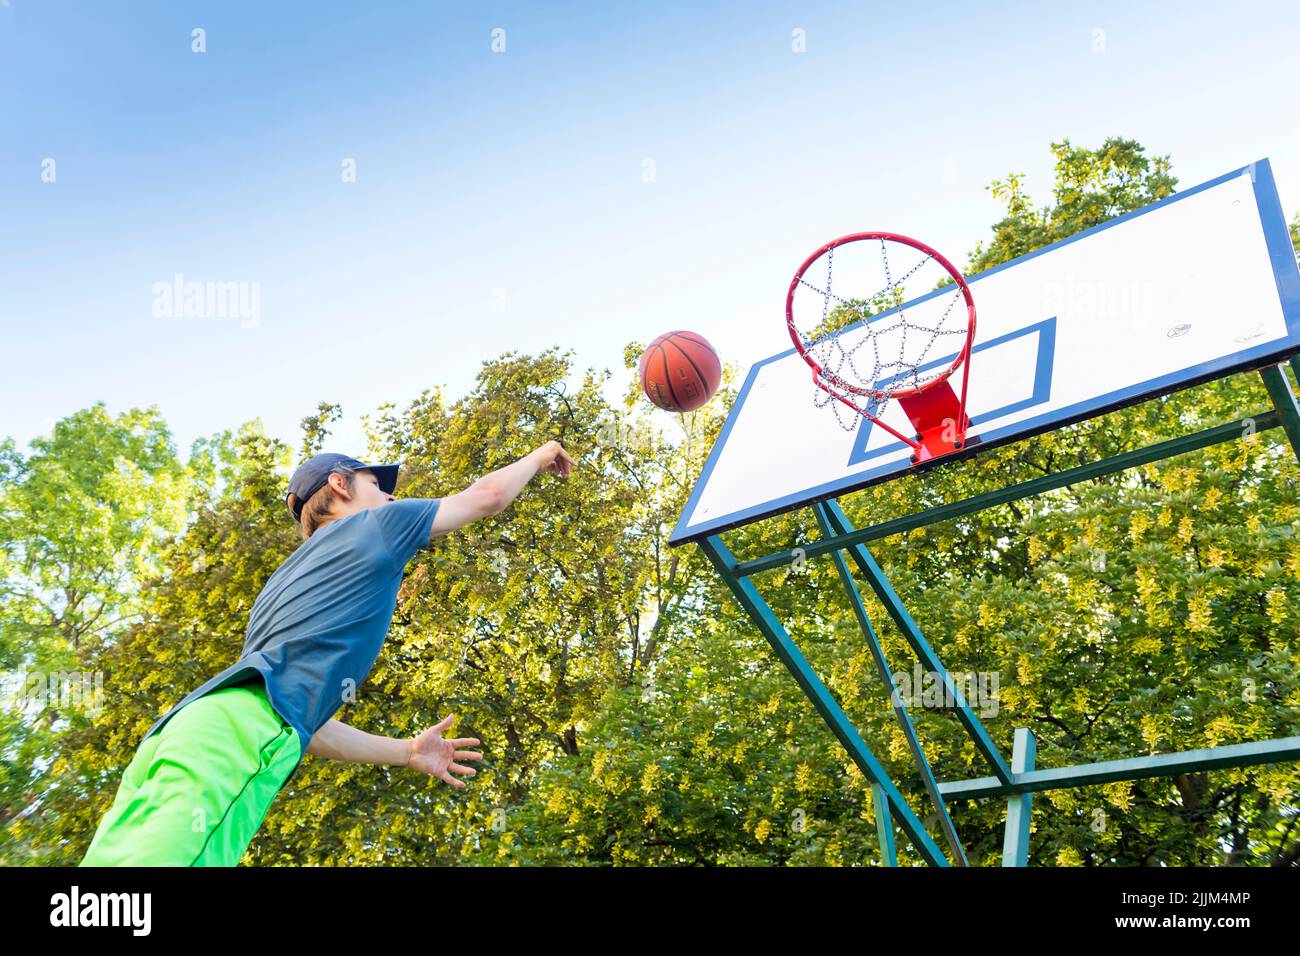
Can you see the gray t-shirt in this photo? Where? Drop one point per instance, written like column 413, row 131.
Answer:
column 320, row 620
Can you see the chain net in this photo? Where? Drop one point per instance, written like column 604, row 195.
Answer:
column 860, row 319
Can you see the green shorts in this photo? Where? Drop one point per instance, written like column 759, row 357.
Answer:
column 197, row 790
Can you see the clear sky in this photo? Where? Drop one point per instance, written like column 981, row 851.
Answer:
column 620, row 170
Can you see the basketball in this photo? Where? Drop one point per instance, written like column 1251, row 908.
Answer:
column 680, row 371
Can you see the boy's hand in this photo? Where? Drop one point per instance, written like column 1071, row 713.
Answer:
column 555, row 460
column 435, row 756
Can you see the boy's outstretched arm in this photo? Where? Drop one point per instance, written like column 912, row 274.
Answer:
column 429, row 752
column 494, row 492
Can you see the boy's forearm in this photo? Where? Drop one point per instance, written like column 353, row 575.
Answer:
column 510, row 480
column 338, row 741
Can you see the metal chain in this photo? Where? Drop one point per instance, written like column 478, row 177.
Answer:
column 830, row 353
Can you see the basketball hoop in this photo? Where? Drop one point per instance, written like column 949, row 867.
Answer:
column 898, row 327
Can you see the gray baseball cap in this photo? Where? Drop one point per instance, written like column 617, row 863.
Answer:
column 311, row 476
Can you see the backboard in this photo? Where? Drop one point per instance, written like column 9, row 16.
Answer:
column 1191, row 288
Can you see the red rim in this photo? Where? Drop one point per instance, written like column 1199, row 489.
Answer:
column 820, row 374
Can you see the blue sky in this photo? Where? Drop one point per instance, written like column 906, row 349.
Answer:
column 501, row 199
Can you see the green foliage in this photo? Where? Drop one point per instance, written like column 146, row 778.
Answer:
column 193, row 613
column 858, row 310
column 83, row 519
column 1091, row 187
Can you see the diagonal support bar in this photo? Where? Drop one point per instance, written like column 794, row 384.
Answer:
column 875, row 576
column 820, row 696
column 884, row 826
column 896, row 702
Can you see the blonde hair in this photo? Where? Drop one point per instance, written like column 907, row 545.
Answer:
column 316, row 510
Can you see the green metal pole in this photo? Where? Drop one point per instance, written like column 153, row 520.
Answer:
column 1015, row 848
column 875, row 576
column 884, row 826
column 1279, row 390
column 896, row 702
column 820, row 696
column 1281, row 750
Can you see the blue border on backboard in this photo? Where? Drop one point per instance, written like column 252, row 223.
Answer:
column 1285, row 274
column 1041, row 392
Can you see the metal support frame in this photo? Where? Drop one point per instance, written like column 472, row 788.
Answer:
column 1015, row 848
column 820, row 696
column 924, row 652
column 884, row 826
column 1279, row 391
column 825, row 519
column 1281, row 750
column 1017, row 781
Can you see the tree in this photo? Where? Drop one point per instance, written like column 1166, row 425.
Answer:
column 1091, row 187
column 193, row 615
column 83, row 519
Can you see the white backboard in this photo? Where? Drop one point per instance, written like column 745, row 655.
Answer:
column 1193, row 287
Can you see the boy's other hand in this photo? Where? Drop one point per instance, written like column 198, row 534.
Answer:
column 436, row 756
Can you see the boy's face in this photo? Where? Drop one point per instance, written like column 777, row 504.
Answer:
column 365, row 492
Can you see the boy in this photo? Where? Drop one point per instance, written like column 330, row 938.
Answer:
column 204, row 777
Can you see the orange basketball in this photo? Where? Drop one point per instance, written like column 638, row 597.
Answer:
column 680, row 371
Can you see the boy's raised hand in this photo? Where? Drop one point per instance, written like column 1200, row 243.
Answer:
column 555, row 460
